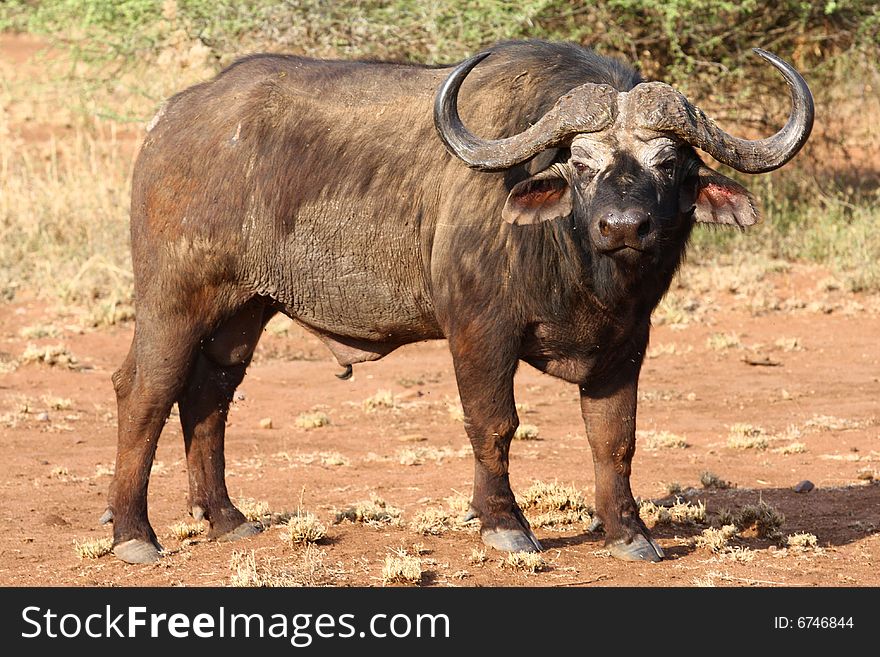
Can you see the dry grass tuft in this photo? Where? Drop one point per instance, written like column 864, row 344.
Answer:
column 433, row 521
column 312, row 420
column 789, row 344
column 478, row 556
column 529, row 562
column 802, row 542
column 715, row 540
column 555, row 505
column 94, row 549
column 253, row 510
column 374, row 512
column 456, row 412
column 723, row 341
column 792, row 448
column 418, row 455
column 747, row 436
column 831, row 423
column 402, row 568
column 653, row 440
column 526, row 432
column 308, row 570
column 760, row 518
column 381, row 400
column 52, row 355
column 304, row 528
column 681, row 513
column 183, row 531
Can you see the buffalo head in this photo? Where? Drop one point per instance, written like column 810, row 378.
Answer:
column 626, row 165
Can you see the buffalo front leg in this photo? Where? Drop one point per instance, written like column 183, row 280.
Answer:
column 610, row 419
column 485, row 385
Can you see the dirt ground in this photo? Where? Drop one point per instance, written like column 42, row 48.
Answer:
column 768, row 377
column 819, row 391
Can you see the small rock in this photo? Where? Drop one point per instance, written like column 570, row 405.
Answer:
column 266, row 423
column 43, row 417
column 804, row 486
column 239, row 395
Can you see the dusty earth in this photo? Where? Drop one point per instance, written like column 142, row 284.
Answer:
column 777, row 356
column 817, row 386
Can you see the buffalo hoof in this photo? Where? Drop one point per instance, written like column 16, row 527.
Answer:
column 640, row 549
column 107, row 517
column 137, row 551
column 595, row 525
column 197, row 512
column 244, row 530
column 513, row 540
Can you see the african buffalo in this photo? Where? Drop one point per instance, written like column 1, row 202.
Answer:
column 334, row 192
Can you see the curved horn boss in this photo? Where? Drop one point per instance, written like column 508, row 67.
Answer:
column 666, row 110
column 587, row 108
column 593, row 107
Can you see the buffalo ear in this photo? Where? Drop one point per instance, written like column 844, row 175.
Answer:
column 542, row 197
column 716, row 199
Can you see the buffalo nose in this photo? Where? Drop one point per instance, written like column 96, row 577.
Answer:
column 630, row 228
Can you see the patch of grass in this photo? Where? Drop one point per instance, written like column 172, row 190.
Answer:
column 529, row 562
column 679, row 513
column 402, row 568
column 456, row 412
column 304, row 527
column 668, row 349
column 802, row 541
column 654, row 440
column 526, row 432
column 307, row 570
column 56, row 403
column 791, row 448
column 383, row 399
column 433, row 521
column 789, row 344
column 478, row 556
column 554, row 505
column 723, row 341
column 831, row 423
column 375, row 512
column 716, row 540
column 312, row 420
column 40, row 331
column 183, row 531
column 747, row 436
column 253, row 510
column 673, row 488
column 52, row 355
column 761, row 518
column 418, row 454
column 738, row 553
column 94, row 549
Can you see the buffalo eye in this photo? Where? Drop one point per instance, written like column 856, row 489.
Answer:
column 667, row 167
column 582, row 169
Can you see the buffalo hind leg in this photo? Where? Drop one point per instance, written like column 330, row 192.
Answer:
column 610, row 419
column 204, row 405
column 147, row 385
column 485, row 385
